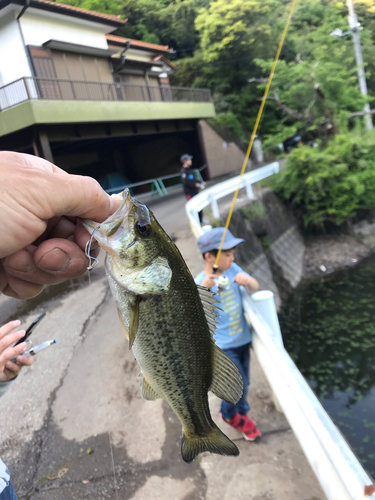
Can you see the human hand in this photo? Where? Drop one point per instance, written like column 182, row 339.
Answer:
column 197, row 184
column 42, row 241
column 8, row 369
column 209, row 281
column 243, row 279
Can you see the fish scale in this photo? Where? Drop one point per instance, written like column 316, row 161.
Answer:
column 164, row 318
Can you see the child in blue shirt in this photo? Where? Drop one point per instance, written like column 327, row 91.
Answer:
column 232, row 334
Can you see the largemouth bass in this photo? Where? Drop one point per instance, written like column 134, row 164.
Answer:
column 169, row 322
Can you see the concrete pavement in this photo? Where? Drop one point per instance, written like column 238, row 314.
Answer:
column 74, row 425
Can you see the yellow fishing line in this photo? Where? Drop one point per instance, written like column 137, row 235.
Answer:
column 215, row 267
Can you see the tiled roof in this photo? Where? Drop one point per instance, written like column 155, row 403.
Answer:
column 157, row 59
column 119, row 40
column 69, row 10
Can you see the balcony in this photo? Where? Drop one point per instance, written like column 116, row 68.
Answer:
column 39, row 101
column 30, row 89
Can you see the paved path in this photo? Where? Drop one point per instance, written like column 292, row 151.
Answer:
column 74, row 425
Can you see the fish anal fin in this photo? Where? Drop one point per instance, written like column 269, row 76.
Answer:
column 134, row 320
column 147, row 392
column 215, row 442
column 123, row 324
column 226, row 379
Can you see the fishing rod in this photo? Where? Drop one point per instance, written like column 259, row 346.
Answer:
column 253, row 135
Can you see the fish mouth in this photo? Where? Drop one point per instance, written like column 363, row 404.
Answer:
column 120, row 214
column 118, row 224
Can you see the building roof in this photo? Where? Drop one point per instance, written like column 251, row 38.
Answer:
column 137, row 44
column 158, row 59
column 69, row 10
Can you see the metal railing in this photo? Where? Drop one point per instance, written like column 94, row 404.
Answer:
column 29, row 88
column 211, row 195
column 157, row 185
column 338, row 470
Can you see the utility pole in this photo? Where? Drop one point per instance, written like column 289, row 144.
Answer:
column 354, row 26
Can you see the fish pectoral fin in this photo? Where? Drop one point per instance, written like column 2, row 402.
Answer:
column 123, row 324
column 134, row 320
column 226, row 379
column 147, row 392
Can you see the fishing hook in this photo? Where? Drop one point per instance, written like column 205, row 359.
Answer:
column 88, row 249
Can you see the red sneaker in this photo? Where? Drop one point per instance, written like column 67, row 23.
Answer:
column 245, row 425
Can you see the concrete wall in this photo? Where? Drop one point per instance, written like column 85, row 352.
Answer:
column 222, row 157
column 13, row 59
column 40, row 27
column 44, row 111
column 276, row 258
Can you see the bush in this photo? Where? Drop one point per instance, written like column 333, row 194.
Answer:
column 229, row 128
column 331, row 184
column 253, row 211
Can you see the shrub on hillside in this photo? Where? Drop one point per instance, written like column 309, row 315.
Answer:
column 331, row 184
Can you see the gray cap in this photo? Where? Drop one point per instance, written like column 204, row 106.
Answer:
column 212, row 239
column 185, row 157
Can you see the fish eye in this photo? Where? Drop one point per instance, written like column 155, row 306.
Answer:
column 143, row 231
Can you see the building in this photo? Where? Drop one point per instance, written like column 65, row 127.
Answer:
column 92, row 102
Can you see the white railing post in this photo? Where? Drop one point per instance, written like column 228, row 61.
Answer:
column 214, row 206
column 249, row 189
column 266, row 305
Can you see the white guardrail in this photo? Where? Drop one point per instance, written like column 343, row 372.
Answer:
column 338, row 470
column 211, row 195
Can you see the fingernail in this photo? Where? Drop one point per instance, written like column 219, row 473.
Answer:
column 16, row 322
column 23, row 346
column 54, row 261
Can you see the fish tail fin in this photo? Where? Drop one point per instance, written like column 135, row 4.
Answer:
column 215, row 442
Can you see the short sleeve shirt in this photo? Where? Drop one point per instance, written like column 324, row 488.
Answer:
column 232, row 330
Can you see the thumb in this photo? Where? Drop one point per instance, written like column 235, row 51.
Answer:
column 80, row 196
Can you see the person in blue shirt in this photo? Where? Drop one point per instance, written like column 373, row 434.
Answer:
column 232, row 334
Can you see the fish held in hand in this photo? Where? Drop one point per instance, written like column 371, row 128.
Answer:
column 169, row 322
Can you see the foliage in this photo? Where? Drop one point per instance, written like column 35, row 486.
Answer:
column 229, row 45
column 331, row 184
column 253, row 211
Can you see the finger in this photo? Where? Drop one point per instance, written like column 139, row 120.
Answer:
column 63, row 229
column 62, row 258
column 21, row 289
column 8, row 327
column 11, row 352
column 10, row 339
column 11, row 370
column 76, row 195
column 22, row 265
column 24, row 360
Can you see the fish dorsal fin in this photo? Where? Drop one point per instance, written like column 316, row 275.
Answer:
column 147, row 392
column 210, row 305
column 226, row 379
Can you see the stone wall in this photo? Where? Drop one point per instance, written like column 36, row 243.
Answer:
column 275, row 258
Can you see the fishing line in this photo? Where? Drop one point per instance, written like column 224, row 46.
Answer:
column 215, row 267
column 88, row 250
